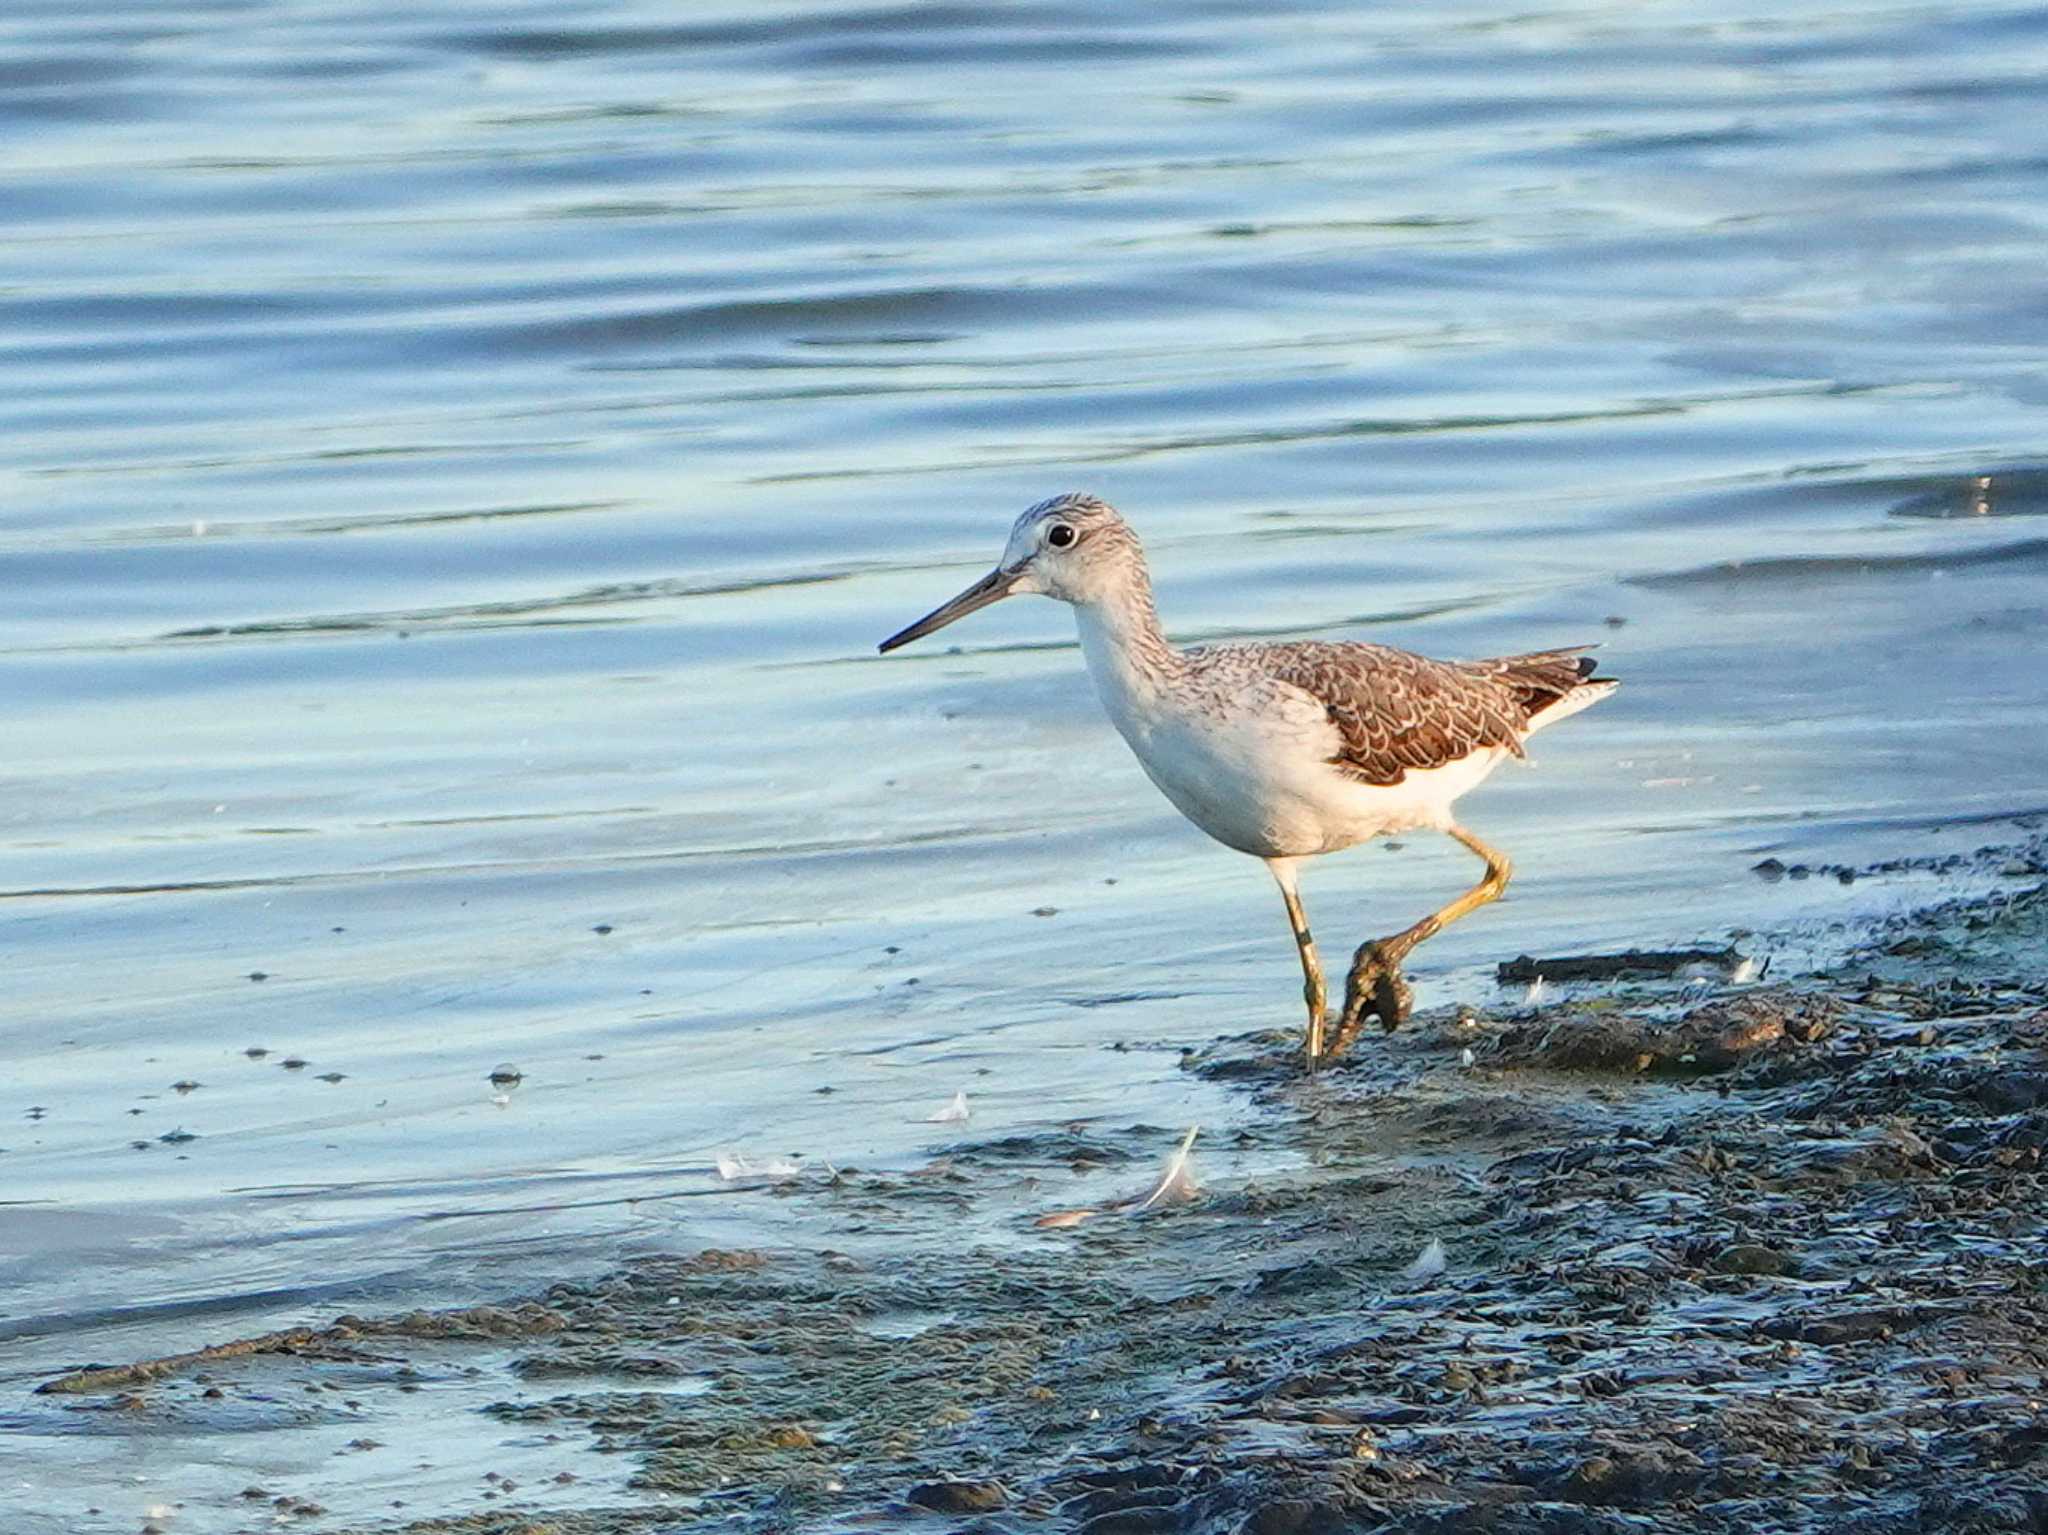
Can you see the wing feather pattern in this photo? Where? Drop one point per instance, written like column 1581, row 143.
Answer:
column 1395, row 711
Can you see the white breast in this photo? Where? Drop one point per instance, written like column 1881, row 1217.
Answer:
column 1248, row 759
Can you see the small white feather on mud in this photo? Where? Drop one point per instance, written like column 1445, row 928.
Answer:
column 1429, row 1263
column 954, row 1113
column 1175, row 1185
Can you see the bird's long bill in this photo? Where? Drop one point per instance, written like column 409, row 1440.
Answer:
column 993, row 587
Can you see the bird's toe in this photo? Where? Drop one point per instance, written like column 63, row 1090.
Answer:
column 1375, row 989
column 1393, row 998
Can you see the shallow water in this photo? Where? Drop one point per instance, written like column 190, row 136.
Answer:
column 459, row 463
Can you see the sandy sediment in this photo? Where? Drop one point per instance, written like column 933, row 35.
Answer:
column 344, row 1339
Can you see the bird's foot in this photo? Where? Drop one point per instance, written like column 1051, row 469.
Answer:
column 1375, row 988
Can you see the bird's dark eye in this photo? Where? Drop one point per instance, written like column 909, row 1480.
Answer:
column 1060, row 536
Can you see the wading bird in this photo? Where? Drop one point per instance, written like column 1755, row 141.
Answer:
column 1289, row 749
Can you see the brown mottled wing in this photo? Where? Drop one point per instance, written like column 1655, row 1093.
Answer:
column 1395, row 711
column 1539, row 679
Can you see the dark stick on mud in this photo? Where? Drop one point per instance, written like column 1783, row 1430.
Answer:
column 1635, row 965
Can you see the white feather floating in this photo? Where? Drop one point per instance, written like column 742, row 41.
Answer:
column 734, row 1168
column 954, row 1113
column 1429, row 1263
column 1176, row 1183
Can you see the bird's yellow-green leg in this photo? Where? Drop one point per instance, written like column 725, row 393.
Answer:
column 1375, row 986
column 1313, row 990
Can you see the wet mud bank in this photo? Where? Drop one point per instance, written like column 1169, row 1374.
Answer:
column 1710, row 1259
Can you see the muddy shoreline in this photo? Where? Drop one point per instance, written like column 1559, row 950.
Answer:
column 1714, row 1258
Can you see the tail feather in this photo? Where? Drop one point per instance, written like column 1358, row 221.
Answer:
column 1548, row 685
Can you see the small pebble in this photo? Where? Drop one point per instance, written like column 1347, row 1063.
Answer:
column 958, row 1497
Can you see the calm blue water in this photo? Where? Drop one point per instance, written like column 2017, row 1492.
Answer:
column 456, row 461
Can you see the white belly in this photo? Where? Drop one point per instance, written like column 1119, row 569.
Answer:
column 1247, row 757
column 1262, row 782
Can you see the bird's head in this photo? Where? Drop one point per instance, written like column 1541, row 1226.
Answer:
column 1074, row 548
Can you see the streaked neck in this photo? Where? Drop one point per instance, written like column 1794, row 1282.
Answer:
column 1127, row 653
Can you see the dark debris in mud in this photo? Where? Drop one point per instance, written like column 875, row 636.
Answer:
column 345, row 1339
column 1635, row 964
column 2028, row 859
column 1705, row 1040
